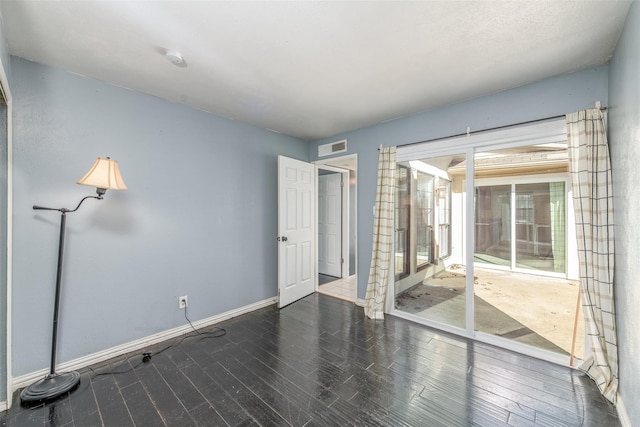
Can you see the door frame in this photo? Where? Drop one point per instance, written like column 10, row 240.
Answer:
column 344, row 214
column 7, row 366
column 344, row 246
column 330, row 164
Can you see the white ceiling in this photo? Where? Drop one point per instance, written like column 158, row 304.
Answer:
column 313, row 69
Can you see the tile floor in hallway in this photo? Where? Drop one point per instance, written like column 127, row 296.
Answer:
column 339, row 288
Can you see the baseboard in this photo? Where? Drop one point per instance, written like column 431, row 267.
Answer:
column 100, row 356
column 3, row 406
column 625, row 421
column 360, row 302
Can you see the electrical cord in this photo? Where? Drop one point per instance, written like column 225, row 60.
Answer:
column 147, row 355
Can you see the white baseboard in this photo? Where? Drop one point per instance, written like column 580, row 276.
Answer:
column 100, row 356
column 360, row 302
column 625, row 421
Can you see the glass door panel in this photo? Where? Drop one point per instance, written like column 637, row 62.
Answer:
column 435, row 286
column 521, row 292
column 493, row 225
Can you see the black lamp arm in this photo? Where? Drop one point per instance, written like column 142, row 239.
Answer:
column 65, row 210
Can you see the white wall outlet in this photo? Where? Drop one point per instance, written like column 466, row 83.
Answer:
column 183, row 302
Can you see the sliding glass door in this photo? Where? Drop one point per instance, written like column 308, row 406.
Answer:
column 537, row 223
column 488, row 243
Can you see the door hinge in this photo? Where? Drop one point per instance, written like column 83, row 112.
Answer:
column 341, row 184
column 341, row 260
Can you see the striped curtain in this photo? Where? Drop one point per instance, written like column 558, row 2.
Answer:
column 590, row 171
column 382, row 235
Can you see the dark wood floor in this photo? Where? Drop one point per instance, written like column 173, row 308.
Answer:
column 320, row 362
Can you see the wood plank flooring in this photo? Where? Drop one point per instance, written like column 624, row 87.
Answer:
column 320, row 362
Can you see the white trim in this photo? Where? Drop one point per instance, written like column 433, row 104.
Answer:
column 345, row 213
column 504, row 343
column 328, row 162
column 469, row 244
column 9, row 296
column 4, row 81
column 461, row 332
column 100, row 356
column 518, row 347
column 543, row 132
column 625, row 421
column 524, row 179
column 359, row 302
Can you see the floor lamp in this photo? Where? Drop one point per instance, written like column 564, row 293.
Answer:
column 104, row 175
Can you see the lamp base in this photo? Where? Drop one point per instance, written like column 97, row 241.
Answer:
column 50, row 387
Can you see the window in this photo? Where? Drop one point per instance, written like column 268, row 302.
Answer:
column 424, row 219
column 524, row 208
column 403, row 204
column 444, row 218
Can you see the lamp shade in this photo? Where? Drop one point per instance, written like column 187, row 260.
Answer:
column 104, row 174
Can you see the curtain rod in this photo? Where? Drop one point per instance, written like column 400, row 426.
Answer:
column 469, row 132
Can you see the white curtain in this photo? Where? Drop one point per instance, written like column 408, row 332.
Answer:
column 590, row 171
column 383, row 230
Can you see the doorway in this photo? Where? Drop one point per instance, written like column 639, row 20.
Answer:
column 330, row 256
column 336, row 227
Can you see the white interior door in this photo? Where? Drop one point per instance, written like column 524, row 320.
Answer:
column 330, row 224
column 296, row 230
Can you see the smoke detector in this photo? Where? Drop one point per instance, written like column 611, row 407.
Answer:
column 175, row 57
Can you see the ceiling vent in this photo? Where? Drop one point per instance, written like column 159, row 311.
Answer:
column 334, row 147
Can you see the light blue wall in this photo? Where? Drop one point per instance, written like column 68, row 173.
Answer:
column 551, row 97
column 4, row 51
column 624, row 142
column 199, row 218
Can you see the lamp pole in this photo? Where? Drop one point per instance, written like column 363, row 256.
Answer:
column 56, row 306
column 55, row 384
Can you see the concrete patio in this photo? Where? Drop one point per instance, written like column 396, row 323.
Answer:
column 531, row 309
